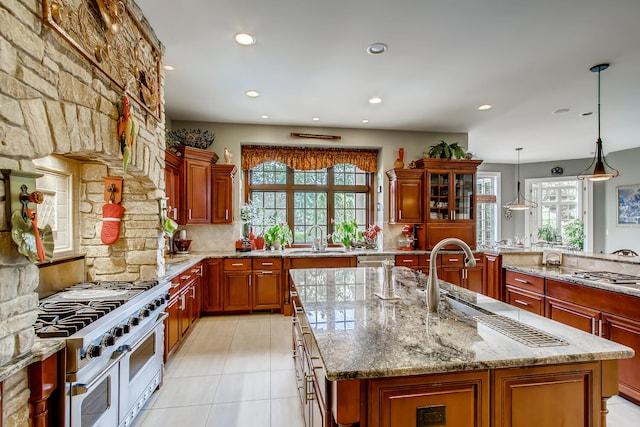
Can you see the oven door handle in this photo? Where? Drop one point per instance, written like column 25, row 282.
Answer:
column 81, row 388
column 129, row 347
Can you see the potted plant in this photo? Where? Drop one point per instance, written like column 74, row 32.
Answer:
column 443, row 150
column 346, row 232
column 278, row 236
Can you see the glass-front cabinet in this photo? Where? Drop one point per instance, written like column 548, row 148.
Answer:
column 450, row 204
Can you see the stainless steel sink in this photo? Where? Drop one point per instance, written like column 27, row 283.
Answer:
column 307, row 251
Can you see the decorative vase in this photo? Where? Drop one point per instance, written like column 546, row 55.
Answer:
column 399, row 163
column 277, row 245
column 259, row 243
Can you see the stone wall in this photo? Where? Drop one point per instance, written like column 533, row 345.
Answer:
column 52, row 101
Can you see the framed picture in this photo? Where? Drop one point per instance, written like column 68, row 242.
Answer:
column 628, row 205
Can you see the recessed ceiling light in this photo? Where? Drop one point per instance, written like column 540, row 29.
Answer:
column 586, row 113
column 375, row 100
column 561, row 111
column 252, row 93
column 245, row 39
column 377, row 49
column 316, row 119
column 365, row 121
column 264, row 116
column 169, row 67
column 485, row 107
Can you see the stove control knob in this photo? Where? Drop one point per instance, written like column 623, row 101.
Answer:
column 145, row 312
column 134, row 321
column 117, row 331
column 108, row 340
column 159, row 302
column 93, row 351
column 126, row 328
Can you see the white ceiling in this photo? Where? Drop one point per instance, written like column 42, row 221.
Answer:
column 446, row 57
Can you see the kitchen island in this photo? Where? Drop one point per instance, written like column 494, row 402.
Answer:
column 362, row 360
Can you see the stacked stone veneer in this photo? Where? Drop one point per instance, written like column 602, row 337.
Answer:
column 54, row 102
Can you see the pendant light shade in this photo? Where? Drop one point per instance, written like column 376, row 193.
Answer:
column 520, row 203
column 599, row 169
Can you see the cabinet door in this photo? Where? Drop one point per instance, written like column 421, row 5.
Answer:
column 195, row 294
column 583, row 318
column 185, row 311
column 451, row 274
column 627, row 332
column 212, row 289
column 237, row 290
column 474, row 279
column 172, row 326
column 198, row 191
column 463, row 196
column 438, row 200
column 493, row 276
column 266, row 290
column 222, row 199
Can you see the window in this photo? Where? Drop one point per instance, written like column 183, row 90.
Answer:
column 310, row 197
column 487, row 206
column 560, row 203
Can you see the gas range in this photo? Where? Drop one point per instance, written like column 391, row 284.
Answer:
column 608, row 277
column 94, row 316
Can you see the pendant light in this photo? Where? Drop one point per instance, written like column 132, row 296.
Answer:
column 600, row 170
column 520, row 203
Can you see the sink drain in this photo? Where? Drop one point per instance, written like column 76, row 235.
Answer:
column 520, row 332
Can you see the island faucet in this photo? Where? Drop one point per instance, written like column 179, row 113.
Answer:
column 319, row 243
column 433, row 288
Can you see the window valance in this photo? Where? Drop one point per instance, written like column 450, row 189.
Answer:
column 309, row 158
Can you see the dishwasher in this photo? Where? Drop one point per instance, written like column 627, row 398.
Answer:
column 372, row 260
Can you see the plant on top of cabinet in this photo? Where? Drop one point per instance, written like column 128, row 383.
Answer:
column 443, row 150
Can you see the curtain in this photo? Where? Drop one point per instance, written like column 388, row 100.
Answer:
column 309, row 158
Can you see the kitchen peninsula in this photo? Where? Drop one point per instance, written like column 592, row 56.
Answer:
column 367, row 361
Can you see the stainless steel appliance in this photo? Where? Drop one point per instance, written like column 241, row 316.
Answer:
column 115, row 336
column 608, row 277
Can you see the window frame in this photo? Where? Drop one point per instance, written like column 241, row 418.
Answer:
column 497, row 177
column 290, row 188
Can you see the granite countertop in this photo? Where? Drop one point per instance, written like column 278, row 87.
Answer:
column 566, row 274
column 362, row 336
column 41, row 350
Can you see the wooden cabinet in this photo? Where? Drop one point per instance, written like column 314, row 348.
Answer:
column 460, row 399
column 608, row 314
column 450, row 200
column 405, row 196
column 183, row 309
column 493, row 276
column 222, row 177
column 237, row 284
column 267, row 283
column 195, row 185
column 172, row 188
column 415, row 262
column 525, row 291
column 453, row 270
column 46, row 380
column 212, row 287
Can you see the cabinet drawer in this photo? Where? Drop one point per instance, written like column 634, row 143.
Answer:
column 525, row 281
column 267, row 263
column 525, row 300
column 237, row 264
column 175, row 286
column 457, row 260
column 411, row 261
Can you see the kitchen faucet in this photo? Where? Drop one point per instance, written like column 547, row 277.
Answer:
column 319, row 243
column 433, row 289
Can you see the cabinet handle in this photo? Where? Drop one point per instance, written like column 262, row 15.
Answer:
column 175, row 214
column 237, row 265
column 453, row 260
column 520, row 280
column 185, row 277
column 600, row 327
column 407, row 260
column 308, row 395
column 189, row 213
column 453, row 215
column 526, row 304
column 226, row 214
column 400, row 214
column 265, row 272
column 267, row 264
column 182, row 303
column 193, row 292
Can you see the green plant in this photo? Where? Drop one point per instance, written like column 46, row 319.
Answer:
column 574, row 233
column 346, row 232
column 443, row 150
column 278, row 233
column 547, row 232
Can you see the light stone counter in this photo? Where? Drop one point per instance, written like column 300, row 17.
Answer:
column 361, row 336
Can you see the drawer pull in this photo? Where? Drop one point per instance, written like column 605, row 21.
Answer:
column 265, row 272
column 185, row 277
column 526, row 304
column 408, row 260
column 237, row 264
column 267, row 264
column 520, row 280
column 453, row 260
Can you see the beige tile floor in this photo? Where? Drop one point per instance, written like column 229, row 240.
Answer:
column 237, row 371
